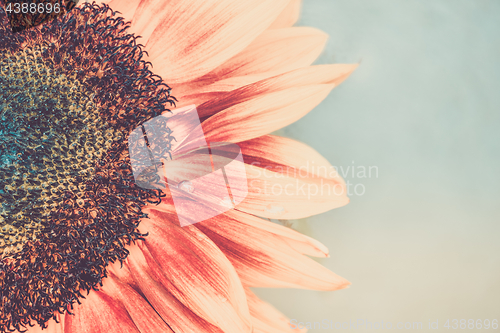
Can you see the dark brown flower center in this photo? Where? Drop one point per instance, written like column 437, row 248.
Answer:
column 51, row 137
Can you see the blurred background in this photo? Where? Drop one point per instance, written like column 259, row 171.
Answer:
column 423, row 241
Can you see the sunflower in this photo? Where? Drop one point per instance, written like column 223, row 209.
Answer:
column 84, row 248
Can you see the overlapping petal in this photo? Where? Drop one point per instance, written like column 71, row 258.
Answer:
column 264, row 254
column 275, row 52
column 264, row 113
column 187, row 39
column 140, row 311
column 264, row 259
column 53, row 326
column 281, row 195
column 296, row 241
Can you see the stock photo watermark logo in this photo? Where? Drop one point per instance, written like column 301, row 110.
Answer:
column 204, row 179
column 331, row 180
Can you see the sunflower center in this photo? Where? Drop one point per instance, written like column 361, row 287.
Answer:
column 70, row 92
column 50, row 138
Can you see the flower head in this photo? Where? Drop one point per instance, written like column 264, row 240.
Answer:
column 83, row 243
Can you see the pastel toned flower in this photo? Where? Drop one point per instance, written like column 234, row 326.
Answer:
column 87, row 250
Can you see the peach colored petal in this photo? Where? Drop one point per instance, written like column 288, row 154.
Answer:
column 264, row 113
column 266, row 318
column 322, row 74
column 97, row 313
column 288, row 16
column 274, row 52
column 197, row 272
column 264, row 259
column 282, row 195
column 187, row 39
column 296, row 241
column 140, row 311
column 151, row 280
column 127, row 8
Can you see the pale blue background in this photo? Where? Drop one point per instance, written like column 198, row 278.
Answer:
column 424, row 106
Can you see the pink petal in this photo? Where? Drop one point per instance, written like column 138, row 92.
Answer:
column 140, row 311
column 295, row 240
column 287, row 155
column 151, row 282
column 264, row 113
column 265, row 255
column 283, row 195
column 197, row 272
column 284, row 180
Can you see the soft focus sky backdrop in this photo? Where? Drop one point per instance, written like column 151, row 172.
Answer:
column 423, row 242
